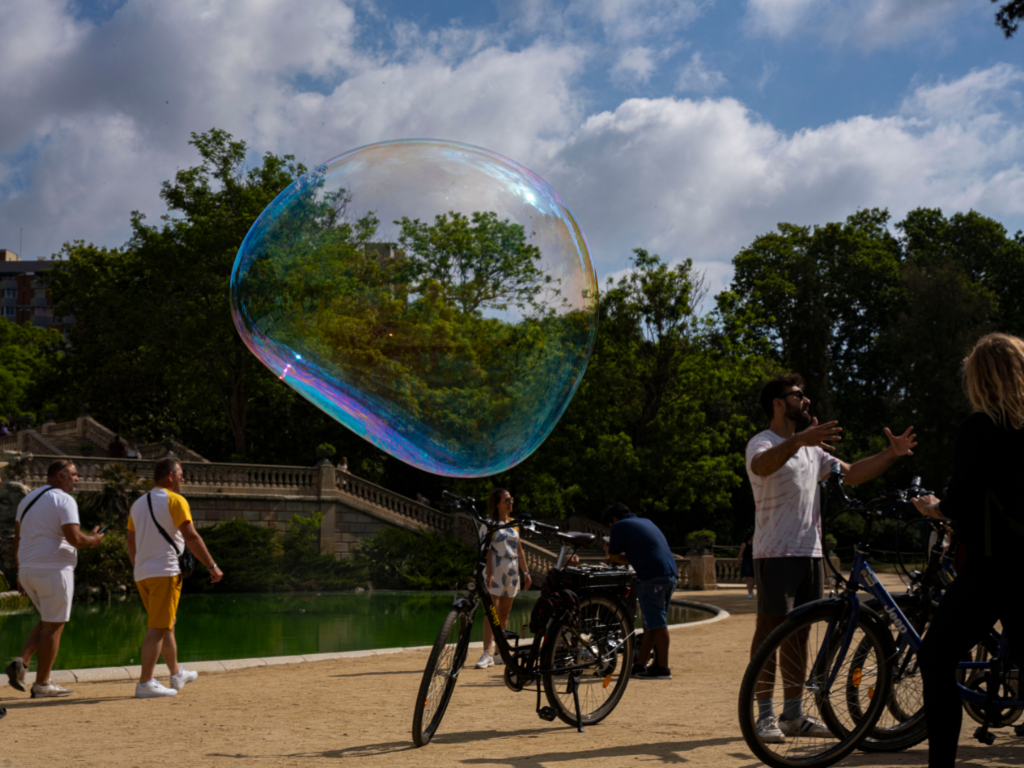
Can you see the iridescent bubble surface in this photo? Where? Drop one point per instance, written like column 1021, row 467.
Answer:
column 435, row 298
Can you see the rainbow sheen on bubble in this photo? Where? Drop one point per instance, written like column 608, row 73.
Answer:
column 435, row 298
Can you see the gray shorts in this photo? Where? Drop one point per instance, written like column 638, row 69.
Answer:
column 783, row 583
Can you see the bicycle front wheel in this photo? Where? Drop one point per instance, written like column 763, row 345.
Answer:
column 439, row 678
column 804, row 657
column 901, row 724
column 599, row 639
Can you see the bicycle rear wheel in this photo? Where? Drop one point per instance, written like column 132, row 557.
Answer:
column 600, row 638
column 441, row 673
column 803, row 657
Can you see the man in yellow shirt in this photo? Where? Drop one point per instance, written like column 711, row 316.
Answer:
column 159, row 515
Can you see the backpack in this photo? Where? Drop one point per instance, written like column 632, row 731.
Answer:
column 555, row 596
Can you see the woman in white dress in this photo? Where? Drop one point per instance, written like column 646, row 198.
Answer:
column 506, row 570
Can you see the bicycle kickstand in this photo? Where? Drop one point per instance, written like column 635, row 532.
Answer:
column 574, row 682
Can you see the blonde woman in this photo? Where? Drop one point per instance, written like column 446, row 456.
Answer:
column 506, row 570
column 986, row 498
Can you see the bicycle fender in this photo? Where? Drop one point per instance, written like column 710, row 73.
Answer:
column 462, row 605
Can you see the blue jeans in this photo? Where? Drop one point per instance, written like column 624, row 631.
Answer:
column 654, row 596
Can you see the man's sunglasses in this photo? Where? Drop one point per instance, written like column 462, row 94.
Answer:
column 798, row 392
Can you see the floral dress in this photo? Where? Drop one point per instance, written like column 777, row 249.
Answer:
column 504, row 555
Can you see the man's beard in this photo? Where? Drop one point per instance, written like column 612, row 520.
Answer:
column 799, row 416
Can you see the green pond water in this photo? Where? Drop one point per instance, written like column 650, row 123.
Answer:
column 242, row 626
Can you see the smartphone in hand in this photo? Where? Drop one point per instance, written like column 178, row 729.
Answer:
column 103, row 529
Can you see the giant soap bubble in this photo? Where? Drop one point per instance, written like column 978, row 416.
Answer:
column 435, row 298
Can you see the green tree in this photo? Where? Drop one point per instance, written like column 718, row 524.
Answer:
column 155, row 337
column 30, row 361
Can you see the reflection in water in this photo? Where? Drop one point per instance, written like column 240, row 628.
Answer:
column 438, row 299
column 241, row 626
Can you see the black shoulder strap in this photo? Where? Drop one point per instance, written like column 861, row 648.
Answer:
column 32, row 503
column 160, row 528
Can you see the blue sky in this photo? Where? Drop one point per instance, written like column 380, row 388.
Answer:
column 686, row 127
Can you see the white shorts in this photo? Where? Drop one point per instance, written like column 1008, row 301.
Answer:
column 50, row 591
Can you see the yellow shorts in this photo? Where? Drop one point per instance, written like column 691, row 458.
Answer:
column 160, row 595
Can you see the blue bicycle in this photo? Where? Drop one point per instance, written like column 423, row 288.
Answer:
column 850, row 661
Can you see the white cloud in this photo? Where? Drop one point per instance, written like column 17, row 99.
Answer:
column 635, row 19
column 701, row 179
column 635, row 64
column 695, row 76
column 89, row 137
column 866, row 24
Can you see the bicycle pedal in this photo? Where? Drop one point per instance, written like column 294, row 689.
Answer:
column 985, row 736
column 547, row 713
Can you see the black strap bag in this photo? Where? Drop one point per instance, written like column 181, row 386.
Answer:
column 186, row 560
column 33, row 502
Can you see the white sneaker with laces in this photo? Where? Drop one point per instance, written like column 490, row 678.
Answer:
column 768, row 730
column 486, row 660
column 152, row 690
column 804, row 726
column 49, row 691
column 184, row 676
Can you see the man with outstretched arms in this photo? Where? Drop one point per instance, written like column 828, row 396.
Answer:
column 159, row 528
column 47, row 537
column 785, row 464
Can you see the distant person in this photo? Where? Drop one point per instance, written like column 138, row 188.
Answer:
column 505, row 570
column 785, row 463
column 747, row 564
column 132, row 450
column 640, row 543
column 343, row 464
column 159, row 528
column 422, row 499
column 116, row 448
column 4, row 431
column 46, row 539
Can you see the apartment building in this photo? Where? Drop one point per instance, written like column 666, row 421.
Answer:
column 23, row 299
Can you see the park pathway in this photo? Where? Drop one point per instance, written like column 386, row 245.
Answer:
column 360, row 711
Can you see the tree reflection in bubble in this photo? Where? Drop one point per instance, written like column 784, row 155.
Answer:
column 436, row 298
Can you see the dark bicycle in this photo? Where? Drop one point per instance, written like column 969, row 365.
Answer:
column 582, row 655
column 852, row 661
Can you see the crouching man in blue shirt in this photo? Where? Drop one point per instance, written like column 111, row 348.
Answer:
column 638, row 542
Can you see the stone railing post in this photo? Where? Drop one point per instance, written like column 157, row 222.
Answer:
column 325, row 482
column 702, row 572
column 80, row 426
column 464, row 528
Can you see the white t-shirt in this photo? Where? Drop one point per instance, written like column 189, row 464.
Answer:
column 153, row 554
column 788, row 501
column 42, row 540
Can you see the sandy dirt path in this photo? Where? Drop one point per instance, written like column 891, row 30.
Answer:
column 313, row 714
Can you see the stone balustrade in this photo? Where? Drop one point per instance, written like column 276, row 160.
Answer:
column 63, row 428
column 727, row 570
column 427, row 517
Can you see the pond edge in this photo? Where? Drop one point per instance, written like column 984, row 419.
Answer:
column 123, row 674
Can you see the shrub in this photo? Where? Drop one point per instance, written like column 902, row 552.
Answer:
column 400, row 559
column 121, row 487
column 306, row 567
column 248, row 554
column 106, row 565
column 700, row 539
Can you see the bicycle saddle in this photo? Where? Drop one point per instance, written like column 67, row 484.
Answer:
column 577, row 538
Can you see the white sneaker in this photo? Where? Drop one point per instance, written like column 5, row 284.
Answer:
column 768, row 730
column 49, row 691
column 152, row 690
column 805, row 726
column 184, row 676
column 486, row 660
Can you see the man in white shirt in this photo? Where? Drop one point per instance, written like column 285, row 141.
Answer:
column 785, row 464
column 159, row 528
column 47, row 537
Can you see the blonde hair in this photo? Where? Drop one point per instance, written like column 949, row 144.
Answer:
column 993, row 376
